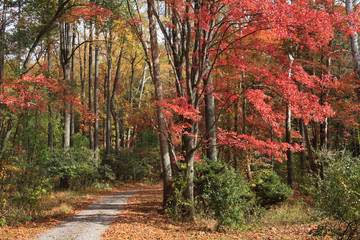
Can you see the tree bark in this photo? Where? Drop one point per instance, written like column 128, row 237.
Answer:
column 211, row 152
column 164, row 148
column 310, row 151
column 288, row 152
column 2, row 45
column 50, row 130
column 72, row 114
column 96, row 100
column 6, row 136
column 302, row 153
column 115, row 113
column 65, row 46
column 91, row 133
column 288, row 135
column 50, row 125
column 109, row 96
column 354, row 43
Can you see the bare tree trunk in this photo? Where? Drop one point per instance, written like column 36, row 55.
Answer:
column 96, row 100
column 65, row 46
column 50, row 130
column 309, row 149
column 354, row 42
column 141, row 87
column 91, row 107
column 244, row 130
column 83, row 95
column 288, row 152
column 113, row 110
column 7, row 136
column 164, row 148
column 104, row 109
column 302, row 153
column 50, row 125
column 83, row 73
column 288, row 136
column 2, row 46
column 72, row 116
column 211, row 152
column 108, row 103
column 315, row 135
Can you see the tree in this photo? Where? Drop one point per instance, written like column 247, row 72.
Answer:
column 161, row 122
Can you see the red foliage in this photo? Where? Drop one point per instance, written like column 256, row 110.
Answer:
column 88, row 11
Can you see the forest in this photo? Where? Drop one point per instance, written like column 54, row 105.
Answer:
column 235, row 109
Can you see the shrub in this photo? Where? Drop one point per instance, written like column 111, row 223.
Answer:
column 221, row 193
column 338, row 193
column 22, row 187
column 138, row 164
column 176, row 204
column 74, row 168
column 269, row 189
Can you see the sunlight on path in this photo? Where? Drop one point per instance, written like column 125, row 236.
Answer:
column 91, row 222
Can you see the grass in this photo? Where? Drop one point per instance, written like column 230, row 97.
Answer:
column 288, row 213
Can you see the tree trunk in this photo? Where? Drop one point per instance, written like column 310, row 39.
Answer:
column 50, row 125
column 83, row 73
column 164, row 148
column 113, row 110
column 108, row 103
column 50, row 130
column 96, row 100
column 72, row 116
column 288, row 135
column 91, row 133
column 6, row 136
column 302, row 153
column 288, row 152
column 244, row 130
column 211, row 152
column 2, row 49
column 354, row 42
column 315, row 136
column 65, row 46
column 310, row 151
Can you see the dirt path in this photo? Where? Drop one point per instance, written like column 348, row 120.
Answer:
column 91, row 222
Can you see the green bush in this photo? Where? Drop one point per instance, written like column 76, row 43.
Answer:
column 337, row 195
column 269, row 189
column 22, row 187
column 176, row 204
column 221, row 193
column 74, row 168
column 139, row 164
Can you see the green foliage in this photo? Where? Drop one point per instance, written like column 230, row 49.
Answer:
column 76, row 166
column 269, row 189
column 107, row 173
column 80, row 141
column 22, row 187
column 128, row 166
column 139, row 164
column 338, row 193
column 176, row 204
column 222, row 193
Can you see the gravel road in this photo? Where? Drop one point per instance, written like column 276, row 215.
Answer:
column 90, row 223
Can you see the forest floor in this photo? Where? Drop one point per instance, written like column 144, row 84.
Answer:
column 142, row 218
